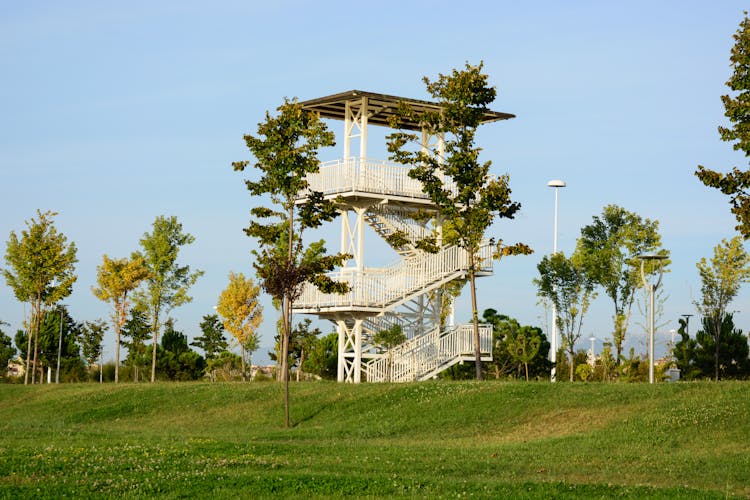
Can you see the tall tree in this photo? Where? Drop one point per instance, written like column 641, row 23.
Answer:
column 736, row 184
column 286, row 151
column 41, row 267
column 609, row 247
column 721, row 279
column 212, row 342
column 135, row 332
column 241, row 312
column 168, row 282
column 116, row 279
column 91, row 336
column 478, row 199
column 566, row 283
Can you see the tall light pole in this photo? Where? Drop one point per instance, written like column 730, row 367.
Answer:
column 555, row 183
column 652, row 288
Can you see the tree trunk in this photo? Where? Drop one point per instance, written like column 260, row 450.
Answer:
column 242, row 355
column 286, row 308
column 717, row 338
column 526, row 367
column 156, row 341
column 37, row 326
column 475, row 319
column 572, row 371
column 28, row 347
column 117, row 354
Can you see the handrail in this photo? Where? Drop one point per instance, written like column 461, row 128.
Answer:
column 421, row 357
column 366, row 176
column 384, row 286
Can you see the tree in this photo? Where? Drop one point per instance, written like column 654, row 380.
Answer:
column 478, row 199
column 241, row 312
column 116, row 278
column 608, row 247
column 138, row 330
column 41, row 266
column 91, row 335
column 286, row 152
column 212, row 342
column 720, row 283
column 175, row 360
column 525, row 346
column 301, row 342
column 736, row 183
column 7, row 351
column 323, row 358
column 506, row 358
column 566, row 284
column 51, row 345
column 388, row 339
column 167, row 283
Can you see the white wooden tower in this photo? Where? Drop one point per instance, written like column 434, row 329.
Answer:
column 381, row 196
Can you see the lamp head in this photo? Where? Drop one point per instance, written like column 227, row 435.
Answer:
column 556, row 183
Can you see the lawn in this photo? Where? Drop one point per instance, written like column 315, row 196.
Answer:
column 436, row 439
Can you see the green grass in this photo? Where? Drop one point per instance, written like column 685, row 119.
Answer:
column 432, row 440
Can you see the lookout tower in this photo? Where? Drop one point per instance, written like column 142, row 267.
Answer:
column 408, row 293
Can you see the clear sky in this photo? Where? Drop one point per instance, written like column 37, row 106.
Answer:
column 115, row 112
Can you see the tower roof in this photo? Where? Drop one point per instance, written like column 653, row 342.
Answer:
column 381, row 107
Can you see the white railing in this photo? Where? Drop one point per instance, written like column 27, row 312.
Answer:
column 424, row 356
column 383, row 287
column 386, row 220
column 366, row 176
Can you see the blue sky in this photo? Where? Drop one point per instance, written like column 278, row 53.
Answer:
column 116, row 112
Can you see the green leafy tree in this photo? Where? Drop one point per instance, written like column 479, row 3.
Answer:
column 135, row 332
column 212, row 342
column 116, row 279
column 167, row 284
column 736, row 183
column 300, row 344
column 609, row 247
column 478, row 199
column 50, row 343
column 175, row 360
column 41, row 267
column 507, row 358
column 285, row 152
column 721, row 279
column 566, row 284
column 91, row 335
column 242, row 313
column 323, row 358
column 733, row 362
column 7, row 351
column 388, row 339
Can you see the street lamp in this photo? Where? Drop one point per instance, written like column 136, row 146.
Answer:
column 652, row 288
column 555, row 183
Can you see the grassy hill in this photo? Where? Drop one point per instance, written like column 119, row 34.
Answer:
column 436, row 439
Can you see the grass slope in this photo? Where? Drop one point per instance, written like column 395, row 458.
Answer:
column 436, row 439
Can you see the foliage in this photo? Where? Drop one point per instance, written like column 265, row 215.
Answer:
column 513, row 344
column 696, row 358
column 175, row 360
column 285, row 151
column 477, row 199
column 167, row 284
column 212, row 342
column 567, row 284
column 115, row 279
column 138, row 331
column 91, row 334
column 427, row 440
column 241, row 312
column 735, row 184
column 301, row 342
column 7, row 352
column 720, row 283
column 323, row 358
column 609, row 247
column 41, row 267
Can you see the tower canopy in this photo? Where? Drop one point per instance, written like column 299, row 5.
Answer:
column 380, row 107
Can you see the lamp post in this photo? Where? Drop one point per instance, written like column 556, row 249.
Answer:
column 556, row 184
column 652, row 289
